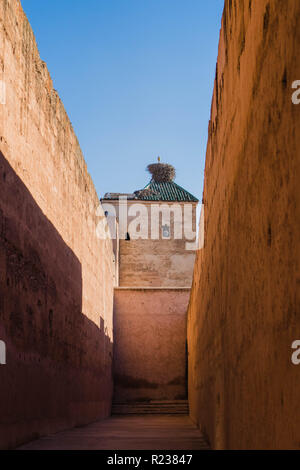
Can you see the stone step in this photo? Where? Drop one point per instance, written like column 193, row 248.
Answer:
column 151, row 407
column 138, row 411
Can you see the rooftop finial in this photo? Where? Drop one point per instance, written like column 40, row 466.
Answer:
column 158, row 159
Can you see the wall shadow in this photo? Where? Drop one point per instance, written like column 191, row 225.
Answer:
column 150, row 345
column 59, row 363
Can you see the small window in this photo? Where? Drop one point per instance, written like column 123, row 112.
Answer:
column 166, row 231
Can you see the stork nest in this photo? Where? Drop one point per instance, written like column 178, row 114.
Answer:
column 144, row 193
column 162, row 172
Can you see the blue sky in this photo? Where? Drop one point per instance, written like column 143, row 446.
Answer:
column 136, row 78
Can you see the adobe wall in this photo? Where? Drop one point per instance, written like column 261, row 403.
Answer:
column 56, row 277
column 161, row 262
column 244, row 308
column 150, row 344
column 153, row 263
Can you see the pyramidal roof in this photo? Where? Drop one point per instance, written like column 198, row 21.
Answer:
column 165, row 191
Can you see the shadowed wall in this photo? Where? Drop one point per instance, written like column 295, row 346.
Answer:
column 56, row 277
column 244, row 308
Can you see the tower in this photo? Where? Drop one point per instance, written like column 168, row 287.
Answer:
column 154, row 234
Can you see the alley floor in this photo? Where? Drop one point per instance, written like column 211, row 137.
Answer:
column 160, row 432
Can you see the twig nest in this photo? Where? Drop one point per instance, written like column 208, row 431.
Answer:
column 144, row 193
column 162, row 172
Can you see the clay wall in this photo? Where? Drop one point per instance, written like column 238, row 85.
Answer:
column 56, row 276
column 244, row 309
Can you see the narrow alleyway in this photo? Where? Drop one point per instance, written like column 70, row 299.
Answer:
column 161, row 432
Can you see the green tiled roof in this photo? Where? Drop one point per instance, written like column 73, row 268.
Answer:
column 166, row 191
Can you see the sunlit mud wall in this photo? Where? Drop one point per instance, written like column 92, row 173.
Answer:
column 150, row 344
column 56, row 277
column 244, row 309
column 155, row 261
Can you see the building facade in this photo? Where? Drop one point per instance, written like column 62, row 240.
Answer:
column 154, row 234
column 154, row 238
